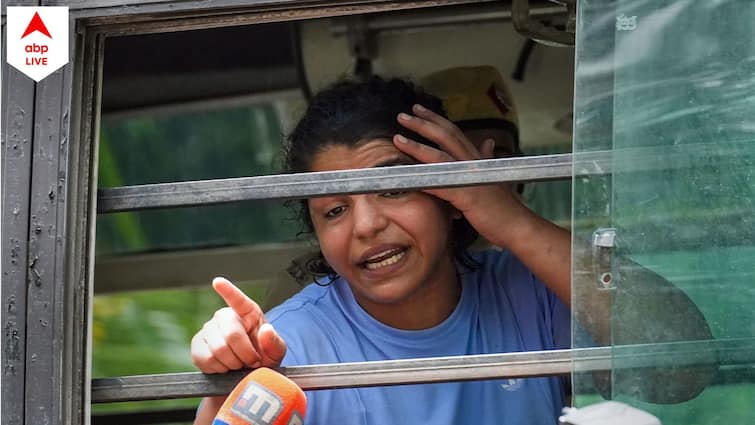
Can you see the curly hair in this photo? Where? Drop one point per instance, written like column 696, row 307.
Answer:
column 350, row 112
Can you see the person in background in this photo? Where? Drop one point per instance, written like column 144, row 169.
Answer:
column 478, row 101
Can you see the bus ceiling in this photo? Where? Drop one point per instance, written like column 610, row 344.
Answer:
column 165, row 71
column 172, row 73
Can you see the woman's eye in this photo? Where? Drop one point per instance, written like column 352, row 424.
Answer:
column 334, row 212
column 394, row 194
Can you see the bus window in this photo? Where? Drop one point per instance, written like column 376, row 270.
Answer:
column 667, row 89
column 202, row 105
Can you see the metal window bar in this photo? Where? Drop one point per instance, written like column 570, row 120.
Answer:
column 303, row 185
column 464, row 15
column 462, row 173
column 725, row 376
column 736, row 352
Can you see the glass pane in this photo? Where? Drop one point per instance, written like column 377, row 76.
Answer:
column 550, row 199
column 667, row 89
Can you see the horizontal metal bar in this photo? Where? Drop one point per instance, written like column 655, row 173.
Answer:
column 409, row 177
column 740, row 375
column 439, row 369
column 394, row 372
column 303, row 185
column 474, row 14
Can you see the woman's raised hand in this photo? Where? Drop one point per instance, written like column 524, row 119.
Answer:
column 486, row 206
column 237, row 336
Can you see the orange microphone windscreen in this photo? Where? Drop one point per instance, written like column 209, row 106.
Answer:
column 264, row 397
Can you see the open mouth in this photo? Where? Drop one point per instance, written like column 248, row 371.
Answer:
column 385, row 258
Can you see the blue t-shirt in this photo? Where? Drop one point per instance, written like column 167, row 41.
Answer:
column 503, row 308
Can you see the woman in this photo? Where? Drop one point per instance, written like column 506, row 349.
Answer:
column 401, row 283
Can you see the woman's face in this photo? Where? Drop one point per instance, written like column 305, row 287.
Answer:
column 392, row 247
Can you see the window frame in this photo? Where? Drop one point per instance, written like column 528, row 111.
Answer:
column 51, row 140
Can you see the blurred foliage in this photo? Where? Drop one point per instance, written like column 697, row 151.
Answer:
column 149, row 332
column 224, row 143
column 194, row 145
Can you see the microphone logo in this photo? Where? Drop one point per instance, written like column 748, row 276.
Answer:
column 257, row 405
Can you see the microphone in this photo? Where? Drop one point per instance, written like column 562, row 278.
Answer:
column 263, row 397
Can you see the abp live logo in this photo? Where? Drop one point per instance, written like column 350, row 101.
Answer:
column 37, row 39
